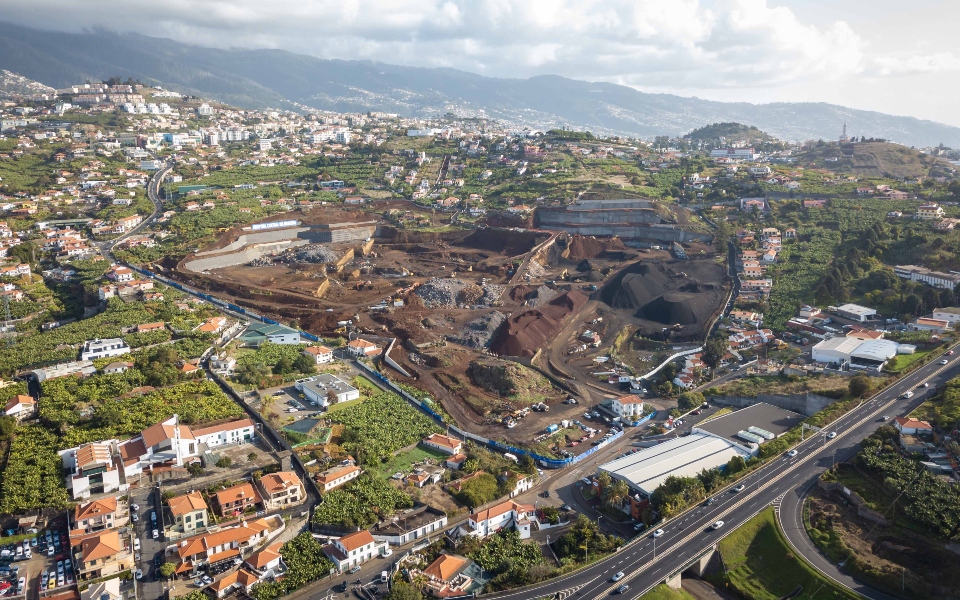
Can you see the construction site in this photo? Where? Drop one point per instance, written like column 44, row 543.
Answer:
column 463, row 303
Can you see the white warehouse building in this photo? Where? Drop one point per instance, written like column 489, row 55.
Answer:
column 856, row 353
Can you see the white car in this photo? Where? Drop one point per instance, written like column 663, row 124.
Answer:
column 740, row 488
column 657, row 533
column 831, row 435
column 792, row 453
column 944, row 362
column 717, row 525
column 136, row 544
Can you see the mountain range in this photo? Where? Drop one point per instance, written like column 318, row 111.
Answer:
column 281, row 79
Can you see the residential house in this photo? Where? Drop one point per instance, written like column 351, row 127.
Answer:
column 117, row 367
column 352, row 550
column 449, row 576
column 630, row 407
column 443, row 443
column 337, row 476
column 120, row 274
column 101, row 554
column 237, row 499
column 410, row 525
column 225, row 546
column 930, row 212
column 280, row 490
column 103, row 590
column 91, row 469
column 321, row 355
column 362, row 348
column 148, row 327
column 21, row 407
column 928, row 324
column 240, row 581
column 523, row 483
column 456, row 461
column 98, row 515
column 93, row 349
column 266, row 561
column 239, row 431
column 507, row 514
column 212, row 325
column 189, row 512
column 912, row 426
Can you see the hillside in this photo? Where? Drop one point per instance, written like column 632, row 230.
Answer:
column 731, row 132
column 261, row 78
column 880, row 159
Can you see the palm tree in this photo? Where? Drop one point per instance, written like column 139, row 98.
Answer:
column 617, row 494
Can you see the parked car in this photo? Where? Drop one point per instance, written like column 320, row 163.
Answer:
column 139, row 574
column 356, row 569
column 156, row 534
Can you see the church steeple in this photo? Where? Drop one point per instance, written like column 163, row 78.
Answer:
column 843, row 137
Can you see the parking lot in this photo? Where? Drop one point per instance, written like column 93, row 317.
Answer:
column 39, row 562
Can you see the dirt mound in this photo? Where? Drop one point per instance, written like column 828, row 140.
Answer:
column 665, row 294
column 671, row 309
column 582, row 247
column 506, row 241
column 528, row 330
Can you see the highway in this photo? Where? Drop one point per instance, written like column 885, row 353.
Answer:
column 784, row 479
column 153, row 189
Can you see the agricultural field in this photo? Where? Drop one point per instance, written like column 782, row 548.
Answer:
column 404, row 461
column 381, row 425
column 361, row 503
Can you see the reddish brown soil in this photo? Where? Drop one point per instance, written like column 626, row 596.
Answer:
column 528, row 330
column 582, row 247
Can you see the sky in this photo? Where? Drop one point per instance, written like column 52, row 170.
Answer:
column 886, row 55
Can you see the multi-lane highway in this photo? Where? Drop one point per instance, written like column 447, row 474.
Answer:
column 786, row 479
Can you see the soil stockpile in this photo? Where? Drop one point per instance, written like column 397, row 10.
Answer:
column 528, row 330
column 309, row 253
column 453, row 293
column 533, row 296
column 663, row 293
column 583, row 247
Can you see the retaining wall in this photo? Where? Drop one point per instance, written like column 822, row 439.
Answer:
column 806, row 404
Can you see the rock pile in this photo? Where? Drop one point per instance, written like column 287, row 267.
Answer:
column 479, row 332
column 452, row 293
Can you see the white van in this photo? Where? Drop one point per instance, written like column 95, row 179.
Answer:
column 384, row 577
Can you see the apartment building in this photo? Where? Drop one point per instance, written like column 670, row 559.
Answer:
column 281, row 490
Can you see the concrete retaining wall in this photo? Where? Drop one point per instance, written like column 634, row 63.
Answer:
column 805, row 404
column 242, row 257
column 854, row 498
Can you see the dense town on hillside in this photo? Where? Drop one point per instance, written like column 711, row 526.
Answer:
column 252, row 353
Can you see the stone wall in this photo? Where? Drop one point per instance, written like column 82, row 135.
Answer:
column 863, row 511
column 806, row 404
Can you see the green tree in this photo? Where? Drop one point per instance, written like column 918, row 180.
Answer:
column 690, row 400
column 860, row 386
column 167, row 569
column 305, row 365
column 714, row 351
column 403, row 591
column 735, row 465
column 224, row 462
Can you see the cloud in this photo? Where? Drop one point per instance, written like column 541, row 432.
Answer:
column 685, row 46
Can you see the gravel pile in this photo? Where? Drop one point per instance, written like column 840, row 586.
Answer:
column 453, row 293
column 492, row 293
column 311, row 253
column 541, row 296
column 479, row 332
column 263, row 261
column 437, row 292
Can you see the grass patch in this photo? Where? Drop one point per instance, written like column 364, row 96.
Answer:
column 662, row 592
column 902, row 362
column 723, row 411
column 405, row 460
column 342, row 405
column 761, row 565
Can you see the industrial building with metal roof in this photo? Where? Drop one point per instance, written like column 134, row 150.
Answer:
column 755, row 424
column 686, row 456
column 855, row 352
